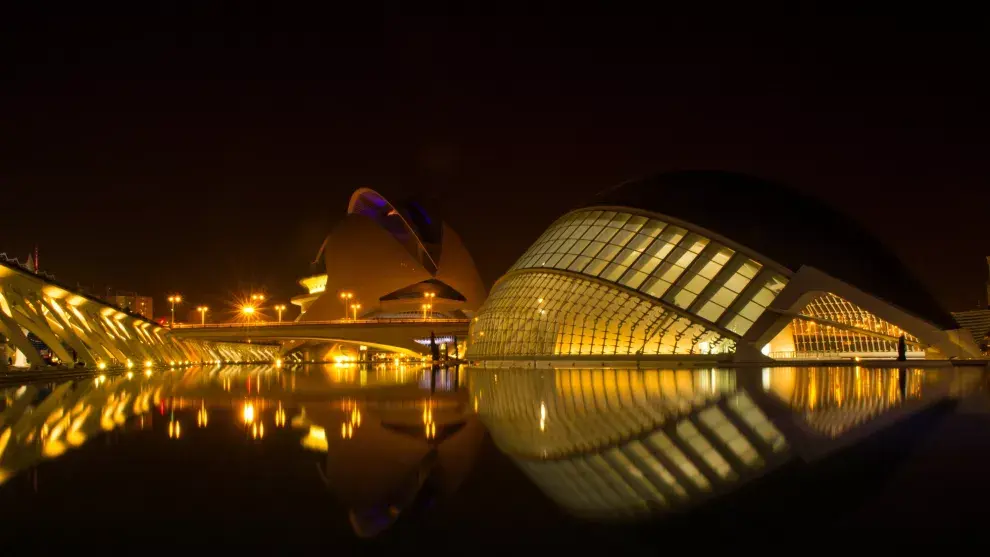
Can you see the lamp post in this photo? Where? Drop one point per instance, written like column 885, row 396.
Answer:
column 202, row 314
column 174, row 299
column 354, row 308
column 428, row 296
column 345, row 297
column 280, row 308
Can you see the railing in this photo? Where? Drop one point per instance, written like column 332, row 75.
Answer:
column 810, row 355
column 258, row 324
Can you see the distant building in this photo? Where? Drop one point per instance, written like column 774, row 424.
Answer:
column 135, row 303
column 391, row 260
column 977, row 321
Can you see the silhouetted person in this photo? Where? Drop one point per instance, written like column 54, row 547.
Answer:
column 434, row 349
column 902, row 349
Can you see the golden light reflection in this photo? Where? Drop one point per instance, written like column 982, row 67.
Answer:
column 247, row 413
column 174, row 429
column 202, row 417
column 316, row 439
column 280, row 416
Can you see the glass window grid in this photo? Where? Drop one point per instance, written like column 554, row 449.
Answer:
column 816, row 338
column 741, row 320
column 655, row 258
column 839, row 310
column 581, row 317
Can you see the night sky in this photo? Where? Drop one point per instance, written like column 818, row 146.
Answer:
column 209, row 163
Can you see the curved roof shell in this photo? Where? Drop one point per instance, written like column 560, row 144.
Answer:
column 788, row 227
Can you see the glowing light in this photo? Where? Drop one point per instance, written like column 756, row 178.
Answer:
column 130, row 375
column 148, row 363
column 130, row 364
column 202, row 418
column 543, row 416
column 248, row 412
column 316, row 439
column 247, row 310
column 101, row 366
column 278, row 362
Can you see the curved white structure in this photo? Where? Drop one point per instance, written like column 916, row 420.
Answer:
column 659, row 268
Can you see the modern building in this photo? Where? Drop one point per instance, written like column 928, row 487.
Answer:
column 391, row 260
column 977, row 321
column 711, row 266
column 132, row 302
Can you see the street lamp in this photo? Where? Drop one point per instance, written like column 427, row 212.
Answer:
column 428, row 296
column 248, row 311
column 354, row 308
column 280, row 308
column 202, row 314
column 174, row 299
column 345, row 297
column 426, row 307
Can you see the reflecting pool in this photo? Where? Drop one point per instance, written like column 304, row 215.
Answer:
column 457, row 459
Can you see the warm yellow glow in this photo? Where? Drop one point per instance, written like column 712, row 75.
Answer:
column 101, row 366
column 315, row 284
column 130, row 375
column 278, row 362
column 147, row 373
column 130, row 364
column 202, row 418
column 316, row 439
column 148, row 363
column 247, row 310
column 248, row 412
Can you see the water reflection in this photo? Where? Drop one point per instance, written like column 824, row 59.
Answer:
column 600, row 443
column 379, row 453
column 607, row 443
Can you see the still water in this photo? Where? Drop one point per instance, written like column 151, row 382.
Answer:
column 454, row 460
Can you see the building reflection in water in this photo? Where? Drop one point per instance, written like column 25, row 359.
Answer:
column 612, row 443
column 600, row 442
column 835, row 399
column 385, row 459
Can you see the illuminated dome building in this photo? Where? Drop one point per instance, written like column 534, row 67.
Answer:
column 391, row 258
column 714, row 266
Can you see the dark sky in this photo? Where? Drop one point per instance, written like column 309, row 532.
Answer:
column 212, row 162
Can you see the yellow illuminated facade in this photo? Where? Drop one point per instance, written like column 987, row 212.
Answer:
column 832, row 327
column 615, row 282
